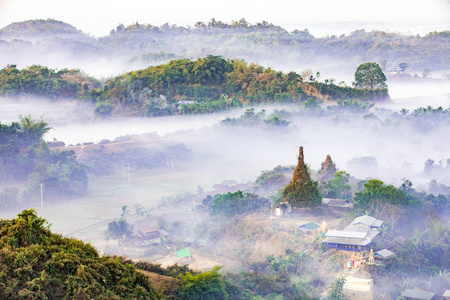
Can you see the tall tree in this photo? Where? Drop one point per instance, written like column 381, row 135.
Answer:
column 370, row 76
column 302, row 190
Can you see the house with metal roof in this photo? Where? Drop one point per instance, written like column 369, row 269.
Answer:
column 308, row 227
column 383, row 254
column 367, row 221
column 409, row 294
column 355, row 237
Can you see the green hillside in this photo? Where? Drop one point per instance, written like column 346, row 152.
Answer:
column 38, row 264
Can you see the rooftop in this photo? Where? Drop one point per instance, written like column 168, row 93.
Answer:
column 310, row 225
column 385, row 253
column 416, row 294
column 367, row 220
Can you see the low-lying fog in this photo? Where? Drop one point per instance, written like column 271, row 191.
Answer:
column 400, row 151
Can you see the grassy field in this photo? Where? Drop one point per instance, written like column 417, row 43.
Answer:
column 87, row 217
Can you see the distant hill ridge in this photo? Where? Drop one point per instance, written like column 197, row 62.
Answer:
column 32, row 27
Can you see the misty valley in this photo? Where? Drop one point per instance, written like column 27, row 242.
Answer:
column 225, row 168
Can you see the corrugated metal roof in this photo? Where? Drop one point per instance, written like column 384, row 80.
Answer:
column 148, row 229
column 417, row 294
column 346, row 234
column 310, row 225
column 345, row 241
column 385, row 253
column 367, row 220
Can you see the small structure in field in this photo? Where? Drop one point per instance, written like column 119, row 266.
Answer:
column 358, row 284
column 446, row 295
column 308, row 227
column 147, row 236
column 417, row 294
column 383, row 254
column 185, row 253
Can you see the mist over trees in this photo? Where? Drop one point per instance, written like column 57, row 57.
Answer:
column 25, row 157
column 143, row 44
column 206, row 188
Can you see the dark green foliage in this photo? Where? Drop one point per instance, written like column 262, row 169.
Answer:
column 370, row 76
column 37, row 264
column 208, row 85
column 338, row 186
column 343, row 93
column 174, row 271
column 336, row 289
column 272, row 279
column 207, row 285
column 118, row 229
column 42, row 81
column 376, row 193
column 230, row 204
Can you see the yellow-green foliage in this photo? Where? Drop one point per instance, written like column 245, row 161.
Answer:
column 38, row 264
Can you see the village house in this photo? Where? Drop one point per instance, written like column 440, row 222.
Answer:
column 355, row 237
column 147, row 236
column 417, row 294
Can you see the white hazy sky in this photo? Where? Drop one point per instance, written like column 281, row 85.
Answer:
column 98, row 17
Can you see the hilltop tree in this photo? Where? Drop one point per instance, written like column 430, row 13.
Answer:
column 339, row 187
column 327, row 170
column 370, row 76
column 302, row 190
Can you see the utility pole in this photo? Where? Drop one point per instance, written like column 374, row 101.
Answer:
column 129, row 180
column 42, row 195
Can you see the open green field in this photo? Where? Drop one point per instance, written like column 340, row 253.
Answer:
column 87, row 217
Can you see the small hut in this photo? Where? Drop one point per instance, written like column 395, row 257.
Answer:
column 383, row 254
column 308, row 227
column 417, row 294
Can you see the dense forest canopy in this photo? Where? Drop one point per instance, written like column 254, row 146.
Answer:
column 261, row 42
column 181, row 86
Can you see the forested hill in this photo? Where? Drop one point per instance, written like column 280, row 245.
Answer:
column 38, row 264
column 263, row 42
column 42, row 29
column 182, row 86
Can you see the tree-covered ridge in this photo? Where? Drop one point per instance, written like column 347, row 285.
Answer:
column 263, row 41
column 240, row 36
column 212, row 84
column 45, row 82
column 39, row 27
column 38, row 264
